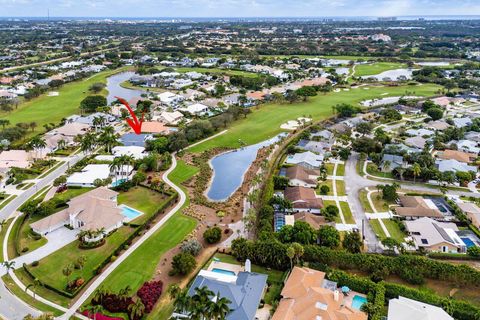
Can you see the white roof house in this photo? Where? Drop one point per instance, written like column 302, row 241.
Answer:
column 408, row 309
column 467, row 146
column 462, row 122
column 420, row 132
column 171, row 118
column 453, row 165
column 307, row 160
column 197, row 109
column 135, row 151
column 87, row 176
column 169, row 98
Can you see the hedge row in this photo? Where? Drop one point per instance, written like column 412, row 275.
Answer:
column 451, row 256
column 460, row 310
column 49, row 287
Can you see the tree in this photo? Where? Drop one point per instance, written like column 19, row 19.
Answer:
column 212, row 235
column 344, row 153
column 67, row 271
column 220, row 309
column 473, row 251
column 328, row 236
column 138, row 178
column 291, row 255
column 191, row 246
column 303, row 233
column 435, row 113
column 346, row 110
column 35, row 284
column 364, row 127
column 87, row 142
column 324, row 189
column 45, row 316
column 91, row 103
column 4, row 123
column 389, row 192
column 306, row 91
column 136, row 310
column 390, row 243
column 183, row 263
column 330, row 212
column 8, row 265
column 174, row 291
column 416, row 170
column 352, row 242
column 96, row 87
column 298, row 248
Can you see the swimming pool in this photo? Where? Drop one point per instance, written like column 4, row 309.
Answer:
column 130, row 213
column 358, row 302
column 468, row 242
column 118, row 182
column 223, row 271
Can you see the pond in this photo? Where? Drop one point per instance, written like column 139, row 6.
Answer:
column 392, row 75
column 229, row 169
column 386, row 100
column 434, row 63
column 115, row 89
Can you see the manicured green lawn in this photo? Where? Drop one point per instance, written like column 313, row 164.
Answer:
column 347, row 213
column 264, row 122
column 11, row 285
column 45, row 109
column 182, row 172
column 340, row 170
column 373, row 170
column 380, row 204
column 394, row 230
column 140, row 266
column 26, row 238
column 377, row 229
column 340, row 187
column 362, row 194
column 376, row 68
column 7, row 201
column 3, row 231
column 50, row 268
column 329, row 167
column 328, row 183
column 142, row 199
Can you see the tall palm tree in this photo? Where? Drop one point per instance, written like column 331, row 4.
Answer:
column 174, row 291
column 36, row 144
column 183, row 302
column 108, row 138
column 136, row 310
column 87, row 142
column 4, row 123
column 35, row 284
column 67, row 272
column 125, row 292
column 220, row 308
column 114, row 166
column 416, row 170
column 8, row 265
column 386, row 165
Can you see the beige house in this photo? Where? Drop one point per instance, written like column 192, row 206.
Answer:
column 301, row 177
column 96, row 209
column 14, row 158
column 435, row 236
column 303, row 199
column 304, row 297
column 416, row 207
column 472, row 211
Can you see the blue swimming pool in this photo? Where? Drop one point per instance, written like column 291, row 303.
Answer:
column 118, row 182
column 222, row 271
column 468, row 242
column 130, row 213
column 358, row 302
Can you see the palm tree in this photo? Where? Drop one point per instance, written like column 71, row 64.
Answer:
column 32, row 125
column 386, row 165
column 114, row 166
column 61, row 144
column 220, row 308
column 108, row 138
column 67, row 271
column 136, row 310
column 8, row 265
column 125, row 292
column 87, row 142
column 81, row 261
column 35, row 284
column 4, row 123
column 174, row 291
column 37, row 143
column 3, row 222
column 182, row 302
column 416, row 170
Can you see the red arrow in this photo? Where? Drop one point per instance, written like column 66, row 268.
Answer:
column 134, row 124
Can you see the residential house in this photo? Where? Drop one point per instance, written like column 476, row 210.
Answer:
column 416, row 142
column 460, row 156
column 420, row 132
column 14, row 158
column 137, row 152
column 453, row 165
column 169, row 98
column 192, row 95
column 438, row 125
column 467, row 146
column 308, row 160
column 413, row 207
column 462, row 122
column 323, row 135
column 197, row 109
column 169, row 118
column 303, row 199
column 133, row 139
column 94, row 210
column 154, row 127
column 71, row 129
column 390, row 162
column 402, row 308
column 472, row 211
column 92, row 172
column 315, row 221
column 315, row 146
column 300, row 177
column 435, row 236
column 244, row 291
column 307, row 295
column 472, row 136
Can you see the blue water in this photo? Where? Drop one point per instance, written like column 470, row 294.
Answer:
column 468, row 242
column 358, row 302
column 114, row 88
column 130, row 213
column 229, row 168
column 118, row 182
column 222, row 271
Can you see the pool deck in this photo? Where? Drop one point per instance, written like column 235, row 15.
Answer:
column 347, row 300
column 225, row 266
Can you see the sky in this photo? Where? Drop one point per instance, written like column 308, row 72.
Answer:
column 235, row 8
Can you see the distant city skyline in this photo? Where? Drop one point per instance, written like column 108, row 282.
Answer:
column 236, row 8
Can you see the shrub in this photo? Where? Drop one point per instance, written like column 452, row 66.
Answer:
column 183, row 264
column 191, row 246
column 212, row 235
column 149, row 293
column 473, row 251
column 35, row 263
column 324, row 189
column 114, row 303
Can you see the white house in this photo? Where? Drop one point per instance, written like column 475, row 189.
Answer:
column 170, row 98
column 91, row 172
column 170, row 118
column 408, row 309
column 135, row 151
column 307, row 160
column 196, row 109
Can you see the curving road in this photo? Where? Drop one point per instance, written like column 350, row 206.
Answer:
column 95, row 284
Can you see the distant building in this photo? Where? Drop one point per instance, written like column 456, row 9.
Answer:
column 407, row 309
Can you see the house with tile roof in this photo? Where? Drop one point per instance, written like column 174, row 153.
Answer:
column 96, row 209
column 303, row 199
column 472, row 211
column 301, row 177
column 453, row 165
column 306, row 296
column 413, row 207
column 308, row 160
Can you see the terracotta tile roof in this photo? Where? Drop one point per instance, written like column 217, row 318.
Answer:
column 302, row 197
column 300, row 173
column 153, row 127
column 416, row 207
column 313, row 220
column 457, row 155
